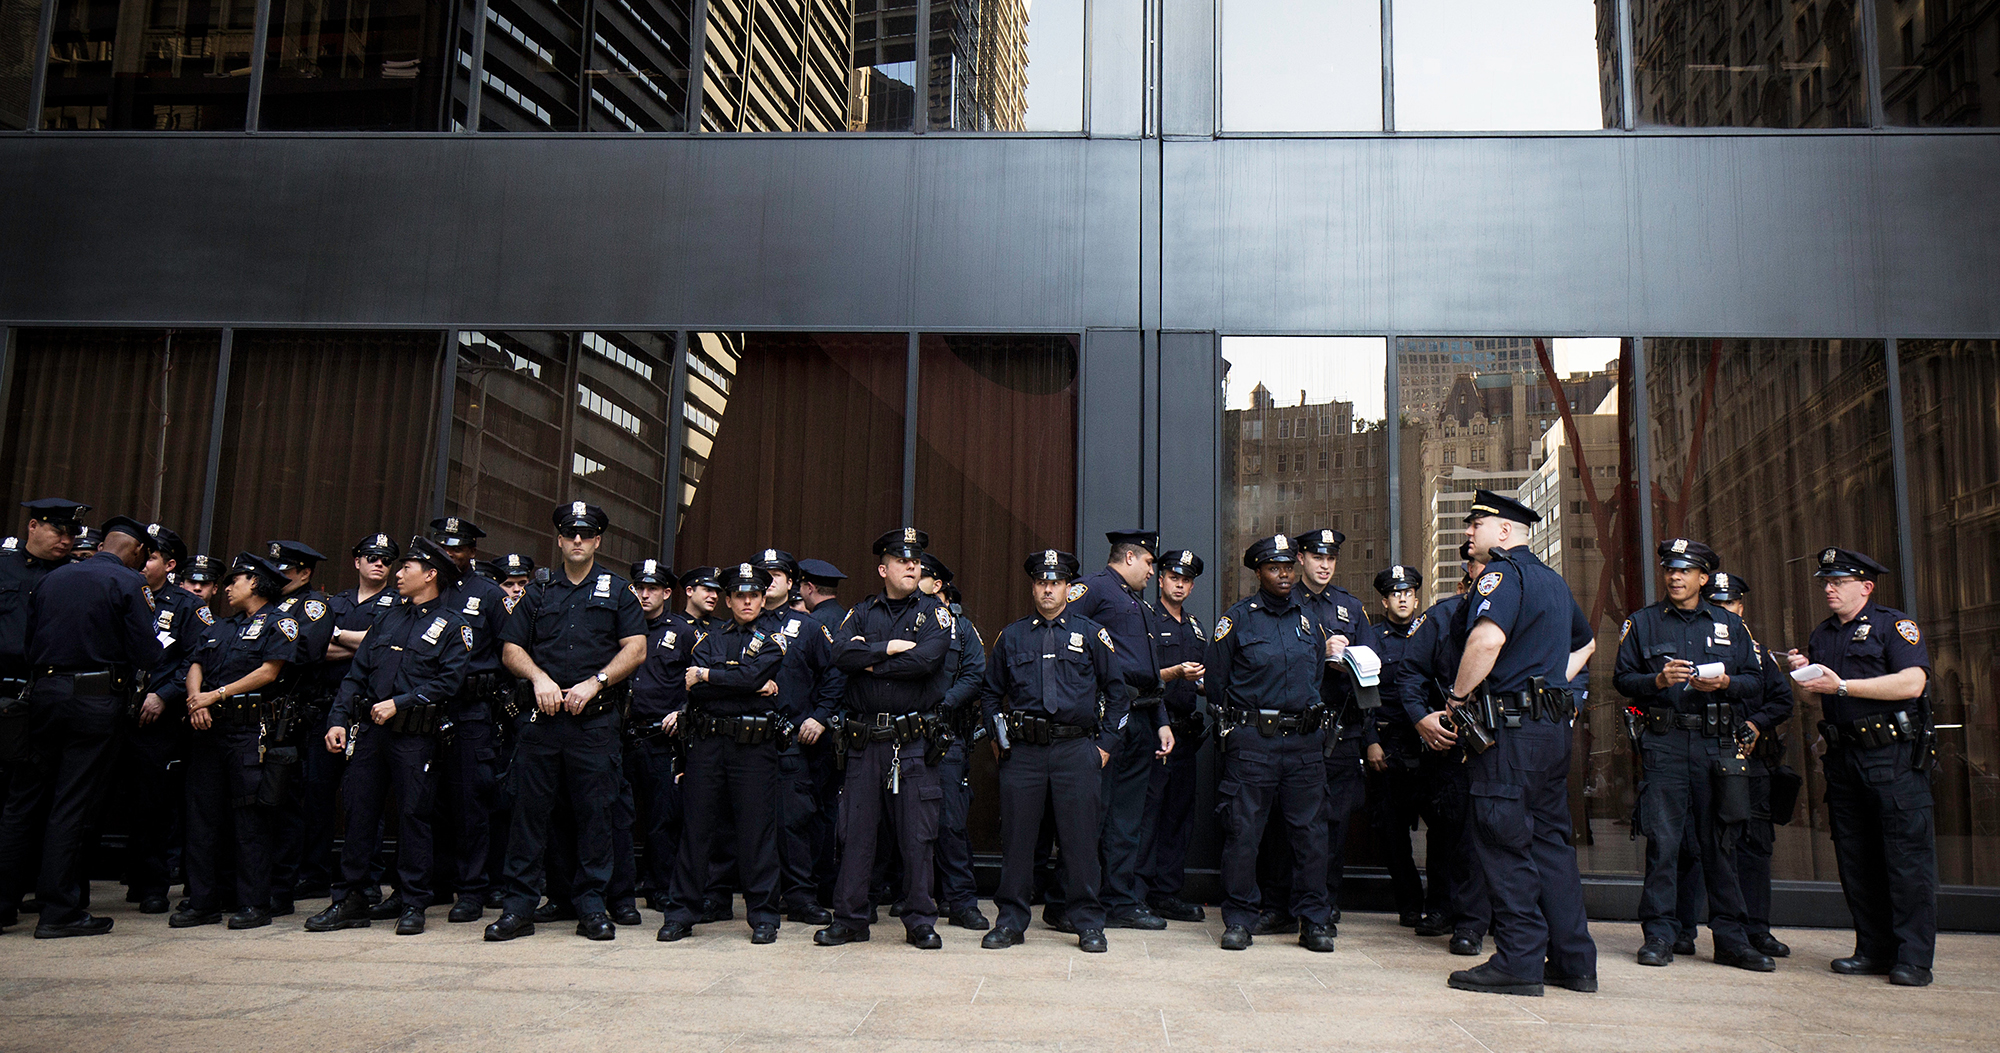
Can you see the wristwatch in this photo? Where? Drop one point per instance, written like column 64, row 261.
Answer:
column 603, row 680
column 1842, row 689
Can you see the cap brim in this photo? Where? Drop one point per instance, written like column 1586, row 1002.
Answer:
column 1841, row 572
column 903, row 552
column 1678, row 563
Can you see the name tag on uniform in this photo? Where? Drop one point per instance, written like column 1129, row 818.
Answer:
column 166, row 639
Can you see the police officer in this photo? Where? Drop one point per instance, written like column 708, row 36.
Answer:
column 302, row 865
column 385, row 719
column 1264, row 669
column 1432, row 656
column 1182, row 644
column 202, row 577
column 1400, row 790
column 701, row 589
column 965, row 673
column 236, row 661
column 652, row 762
column 512, row 571
column 784, row 571
column 85, row 545
column 90, row 648
column 570, row 637
column 732, row 732
column 809, row 690
column 1873, row 681
column 1050, row 669
column 892, row 647
column 24, row 561
column 158, row 738
column 1692, row 668
column 819, row 590
column 1114, row 597
column 1525, row 633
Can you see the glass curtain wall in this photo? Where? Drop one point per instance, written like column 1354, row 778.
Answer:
column 150, row 64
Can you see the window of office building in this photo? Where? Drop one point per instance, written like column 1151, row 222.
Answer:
column 154, row 66
column 1939, row 62
column 362, row 65
column 115, row 418
column 1776, row 64
column 581, row 65
column 1009, row 66
column 786, row 68
column 1526, row 65
column 20, row 29
column 1790, row 450
column 327, row 437
column 1288, row 67
column 1951, row 411
column 532, row 70
column 793, row 441
column 637, row 78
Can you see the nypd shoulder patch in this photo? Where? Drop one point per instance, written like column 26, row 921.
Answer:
column 289, row 627
column 944, row 618
column 1907, row 629
column 1078, row 591
column 207, row 616
column 1488, row 582
column 315, row 610
column 509, row 603
column 1104, row 637
column 1625, row 630
column 465, row 633
column 1222, row 628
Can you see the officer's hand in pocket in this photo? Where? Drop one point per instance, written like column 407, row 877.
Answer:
column 1378, row 758
column 1103, row 758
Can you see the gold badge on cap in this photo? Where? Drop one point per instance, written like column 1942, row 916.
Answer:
column 1829, row 555
column 1282, row 542
column 909, row 535
column 1680, row 545
column 578, row 508
column 1051, row 558
column 276, row 552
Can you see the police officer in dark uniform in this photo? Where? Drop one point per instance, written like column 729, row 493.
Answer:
column 1114, row 597
column 1051, row 669
column 512, row 571
column 24, row 561
column 1263, row 673
column 157, row 739
column 819, row 589
column 651, row 757
column 570, row 637
column 85, row 545
column 1526, row 634
column 1400, row 787
column 1692, row 668
column 892, row 647
column 90, row 649
column 385, row 719
column 701, row 591
column 304, row 859
column 1432, row 656
column 809, row 690
column 229, row 816
column 1873, row 686
column 202, row 577
column 733, row 733
column 1182, row 644
column 965, row 671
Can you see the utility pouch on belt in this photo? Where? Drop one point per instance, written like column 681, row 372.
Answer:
column 281, row 765
column 1732, row 788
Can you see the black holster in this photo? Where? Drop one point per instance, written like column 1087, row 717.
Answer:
column 1732, row 788
column 280, row 767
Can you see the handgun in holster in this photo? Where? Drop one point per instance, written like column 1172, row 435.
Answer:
column 1472, row 732
column 1000, row 740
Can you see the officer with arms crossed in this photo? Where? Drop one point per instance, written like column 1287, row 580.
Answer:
column 1873, row 680
column 1526, row 634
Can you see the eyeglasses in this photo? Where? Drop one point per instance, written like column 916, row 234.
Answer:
column 579, row 533
column 374, row 559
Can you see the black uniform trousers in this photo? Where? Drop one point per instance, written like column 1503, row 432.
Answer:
column 1885, row 845
column 51, row 794
column 955, row 888
column 1521, row 822
column 1285, row 774
column 1346, row 795
column 1452, row 848
column 467, row 763
column 303, row 846
column 1678, row 792
column 1066, row 775
column 572, row 762
column 1169, row 819
column 384, row 763
column 797, row 801
column 649, row 767
column 913, row 814
column 153, row 797
column 1396, row 798
column 226, row 828
column 727, row 793
column 1126, row 779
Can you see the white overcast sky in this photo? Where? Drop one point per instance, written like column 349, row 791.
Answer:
column 1350, row 368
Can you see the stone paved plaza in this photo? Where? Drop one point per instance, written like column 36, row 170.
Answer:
column 146, row 988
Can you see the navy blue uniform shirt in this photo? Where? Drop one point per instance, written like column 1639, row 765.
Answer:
column 90, row 615
column 1774, row 703
column 19, row 573
column 312, row 620
column 1267, row 653
column 352, row 614
column 1058, row 669
column 573, row 631
column 1879, row 641
column 965, row 663
column 809, row 687
column 1402, row 683
column 1104, row 598
column 1533, row 606
column 179, row 619
column 740, row 659
column 904, row 683
column 485, row 607
column 1178, row 640
column 1659, row 633
column 660, row 685
column 1432, row 658
column 415, row 655
column 236, row 646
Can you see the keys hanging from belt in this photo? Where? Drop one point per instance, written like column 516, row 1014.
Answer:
column 896, row 768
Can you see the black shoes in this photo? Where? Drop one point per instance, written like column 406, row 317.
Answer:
column 411, row 923
column 810, row 914
column 188, row 918
column 389, row 909
column 1091, row 941
column 1655, row 952
column 923, row 938
column 675, row 930
column 627, row 914
column 1138, row 919
column 1579, row 984
column 837, row 934
column 555, row 911
column 1410, row 919
column 91, row 925
column 1684, row 944
column 1274, row 923
column 1236, row 938
column 495, row 898
column 1002, row 937
column 154, row 904
column 969, row 918
column 596, row 926
column 718, row 910
column 349, row 913
column 1859, row 965
column 1436, row 923
column 1058, row 921
column 468, row 908
column 281, row 907
column 511, row 926
column 1901, row 975
column 247, row 918
column 1745, row 958
column 1765, row 943
column 1465, row 944
column 765, row 933
column 1173, row 908
column 1488, row 980
column 1316, row 937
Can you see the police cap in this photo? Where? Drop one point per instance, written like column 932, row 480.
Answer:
column 1146, row 539
column 778, row 559
column 1180, row 561
column 453, row 532
column 745, row 577
column 1724, row 587
column 1274, row 549
column 1321, row 542
column 203, row 570
column 820, row 572
column 59, row 512
column 1846, row 563
column 1398, row 578
column 908, row 543
column 260, row 570
column 652, row 572
column 85, row 539
column 167, row 543
column 1682, row 554
column 707, row 576
column 935, row 568
column 514, row 565
column 433, row 555
column 377, row 545
column 285, row 555
column 580, row 515
column 1487, row 503
column 1052, row 565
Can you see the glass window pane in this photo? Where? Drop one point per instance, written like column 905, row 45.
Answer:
column 328, row 437
column 781, row 67
column 1522, row 65
column 1789, row 446
column 149, row 65
column 618, row 456
column 365, row 65
column 1938, row 63
column 533, row 65
column 508, row 453
column 638, row 69
column 1767, row 64
column 20, row 24
column 1951, row 420
column 1293, row 68
column 78, row 395
column 794, row 441
column 1483, row 414
column 1006, row 66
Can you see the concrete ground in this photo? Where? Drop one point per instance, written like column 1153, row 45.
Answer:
column 145, row 987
